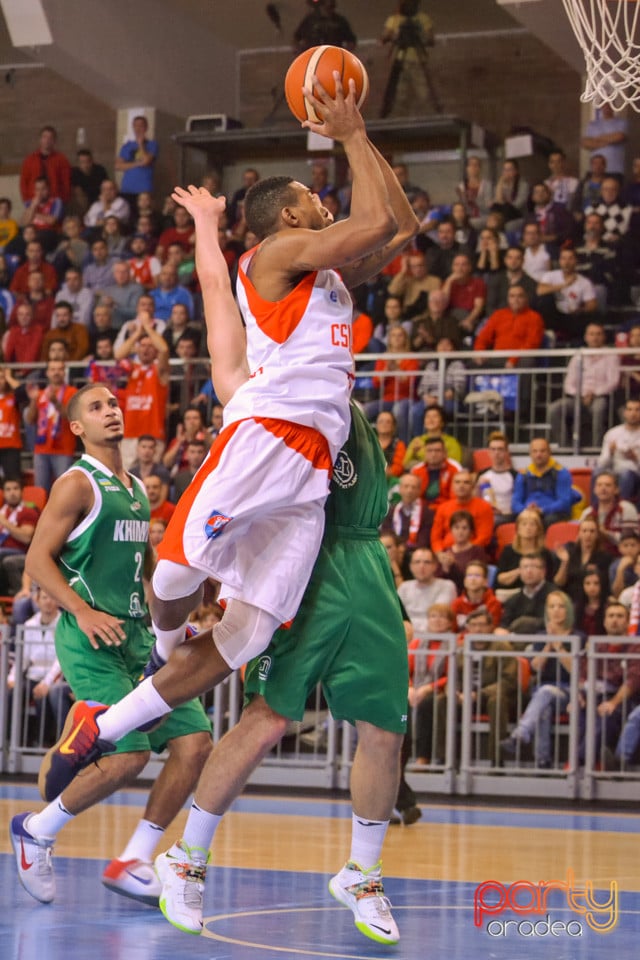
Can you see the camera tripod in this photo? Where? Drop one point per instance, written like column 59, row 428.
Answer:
column 399, row 65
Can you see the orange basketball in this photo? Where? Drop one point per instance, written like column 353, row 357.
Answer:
column 321, row 62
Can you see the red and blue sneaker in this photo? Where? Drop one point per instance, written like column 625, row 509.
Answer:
column 79, row 745
column 135, row 879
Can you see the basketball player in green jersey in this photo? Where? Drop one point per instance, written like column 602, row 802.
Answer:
column 90, row 552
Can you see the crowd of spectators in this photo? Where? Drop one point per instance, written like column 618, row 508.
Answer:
column 516, row 554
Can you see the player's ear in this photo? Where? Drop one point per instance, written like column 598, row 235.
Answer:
column 76, row 428
column 289, row 217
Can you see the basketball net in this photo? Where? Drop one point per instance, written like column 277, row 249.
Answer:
column 607, row 31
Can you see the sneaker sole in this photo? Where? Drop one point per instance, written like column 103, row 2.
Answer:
column 150, row 901
column 337, row 894
column 47, row 760
column 178, row 926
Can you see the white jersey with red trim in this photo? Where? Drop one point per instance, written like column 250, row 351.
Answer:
column 299, row 352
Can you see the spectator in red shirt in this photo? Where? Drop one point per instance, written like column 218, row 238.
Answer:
column 23, row 341
column 453, row 561
column 10, row 423
column 182, row 232
column 477, row 593
column 40, row 301
column 161, row 509
column 463, row 499
column 397, row 390
column 55, row 444
column 17, row 523
column 436, row 473
column 515, row 327
column 35, row 262
column 47, row 162
column 467, row 294
column 146, row 393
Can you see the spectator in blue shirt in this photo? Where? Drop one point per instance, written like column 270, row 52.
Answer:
column 168, row 293
column 544, row 485
column 136, row 160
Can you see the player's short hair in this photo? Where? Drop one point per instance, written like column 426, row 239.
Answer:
column 263, row 203
column 73, row 407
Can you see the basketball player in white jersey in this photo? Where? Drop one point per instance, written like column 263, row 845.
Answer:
column 253, row 516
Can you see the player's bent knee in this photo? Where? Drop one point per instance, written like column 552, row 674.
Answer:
column 173, row 581
column 243, row 633
column 270, row 726
column 193, row 748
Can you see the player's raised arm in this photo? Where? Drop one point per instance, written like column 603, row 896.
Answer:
column 408, row 226
column 226, row 340
column 371, row 223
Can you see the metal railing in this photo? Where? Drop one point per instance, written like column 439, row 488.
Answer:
column 516, row 399
column 318, row 751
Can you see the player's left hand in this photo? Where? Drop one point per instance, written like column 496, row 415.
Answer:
column 101, row 628
column 198, row 201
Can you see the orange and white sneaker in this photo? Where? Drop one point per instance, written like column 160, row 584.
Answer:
column 78, row 746
column 362, row 891
column 33, row 857
column 135, row 879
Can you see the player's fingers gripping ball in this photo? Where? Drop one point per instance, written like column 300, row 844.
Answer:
column 321, row 62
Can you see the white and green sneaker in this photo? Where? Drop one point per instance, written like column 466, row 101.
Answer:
column 182, row 871
column 362, row 891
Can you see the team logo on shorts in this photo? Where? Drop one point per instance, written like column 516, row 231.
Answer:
column 135, row 607
column 215, row 525
column 344, row 471
column 264, row 666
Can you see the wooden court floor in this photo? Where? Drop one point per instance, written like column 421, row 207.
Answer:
column 450, row 878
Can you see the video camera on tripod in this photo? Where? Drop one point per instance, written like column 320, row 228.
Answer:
column 410, row 32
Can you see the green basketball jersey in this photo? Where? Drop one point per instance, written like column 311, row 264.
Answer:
column 103, row 557
column 358, row 492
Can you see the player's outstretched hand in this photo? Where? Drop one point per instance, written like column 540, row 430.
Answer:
column 340, row 115
column 101, row 628
column 198, row 201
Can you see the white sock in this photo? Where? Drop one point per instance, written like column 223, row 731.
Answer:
column 49, row 821
column 168, row 640
column 200, row 827
column 140, row 706
column 143, row 842
column 367, row 837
